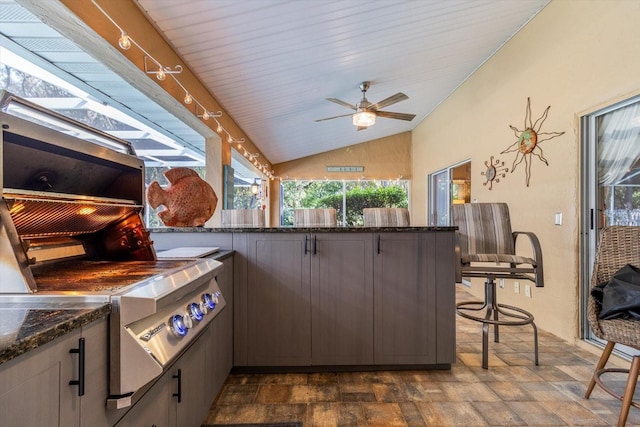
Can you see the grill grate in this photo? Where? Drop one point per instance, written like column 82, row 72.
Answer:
column 34, row 217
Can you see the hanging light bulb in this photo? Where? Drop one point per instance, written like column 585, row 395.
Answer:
column 219, row 128
column 124, row 41
column 160, row 75
column 188, row 99
column 205, row 115
column 229, row 139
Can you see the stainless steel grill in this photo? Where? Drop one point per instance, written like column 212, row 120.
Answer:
column 41, row 215
column 70, row 229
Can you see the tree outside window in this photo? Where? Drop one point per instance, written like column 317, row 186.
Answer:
column 349, row 198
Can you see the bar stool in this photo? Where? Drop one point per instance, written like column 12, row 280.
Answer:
column 324, row 217
column 386, row 217
column 486, row 248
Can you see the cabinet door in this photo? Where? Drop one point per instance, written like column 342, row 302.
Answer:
column 444, row 279
column 342, row 299
column 189, row 401
column 92, row 404
column 153, row 408
column 278, row 321
column 405, row 298
column 34, row 388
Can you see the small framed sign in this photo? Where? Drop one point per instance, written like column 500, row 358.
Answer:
column 345, row 168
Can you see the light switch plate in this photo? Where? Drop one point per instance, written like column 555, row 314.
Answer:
column 558, row 218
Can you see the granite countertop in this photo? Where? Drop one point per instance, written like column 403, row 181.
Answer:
column 303, row 229
column 25, row 326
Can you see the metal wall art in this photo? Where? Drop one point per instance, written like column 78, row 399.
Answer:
column 495, row 171
column 528, row 141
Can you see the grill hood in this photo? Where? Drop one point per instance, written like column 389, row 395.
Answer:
column 68, row 191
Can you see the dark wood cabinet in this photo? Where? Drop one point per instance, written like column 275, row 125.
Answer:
column 278, row 286
column 344, row 298
column 412, row 299
column 341, row 299
column 414, row 294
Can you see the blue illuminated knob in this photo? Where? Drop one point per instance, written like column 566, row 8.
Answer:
column 195, row 312
column 209, row 301
column 178, row 326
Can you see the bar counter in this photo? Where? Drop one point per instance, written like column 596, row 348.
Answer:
column 301, row 229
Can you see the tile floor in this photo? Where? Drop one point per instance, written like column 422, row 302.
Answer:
column 512, row 392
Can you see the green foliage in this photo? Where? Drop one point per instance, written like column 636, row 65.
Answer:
column 329, row 194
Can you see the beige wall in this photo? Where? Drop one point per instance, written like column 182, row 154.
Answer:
column 575, row 56
column 384, row 158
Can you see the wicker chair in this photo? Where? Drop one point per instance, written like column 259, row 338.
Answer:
column 618, row 246
column 486, row 248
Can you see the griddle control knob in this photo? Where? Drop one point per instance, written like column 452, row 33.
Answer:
column 195, row 312
column 209, row 301
column 178, row 326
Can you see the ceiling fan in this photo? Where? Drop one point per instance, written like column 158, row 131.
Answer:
column 366, row 112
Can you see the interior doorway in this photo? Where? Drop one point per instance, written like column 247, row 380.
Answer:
column 448, row 186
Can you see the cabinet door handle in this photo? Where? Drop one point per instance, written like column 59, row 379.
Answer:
column 315, row 245
column 378, row 244
column 178, row 376
column 306, row 238
column 81, row 358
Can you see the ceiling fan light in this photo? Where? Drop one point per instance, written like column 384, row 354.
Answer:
column 364, row 119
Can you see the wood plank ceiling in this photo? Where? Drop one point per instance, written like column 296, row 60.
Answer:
column 272, row 63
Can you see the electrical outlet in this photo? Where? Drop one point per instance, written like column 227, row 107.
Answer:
column 501, row 283
column 516, row 287
column 527, row 291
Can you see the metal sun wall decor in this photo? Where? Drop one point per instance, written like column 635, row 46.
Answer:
column 495, row 171
column 528, row 141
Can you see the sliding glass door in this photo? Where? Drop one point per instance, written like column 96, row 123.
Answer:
column 610, row 179
column 447, row 187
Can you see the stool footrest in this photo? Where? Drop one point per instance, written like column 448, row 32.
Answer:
column 525, row 317
column 492, row 313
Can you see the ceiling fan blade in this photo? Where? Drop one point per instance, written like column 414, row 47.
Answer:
column 391, row 115
column 344, row 104
column 389, row 101
column 334, row 117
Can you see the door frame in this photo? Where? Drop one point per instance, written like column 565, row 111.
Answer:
column 432, row 197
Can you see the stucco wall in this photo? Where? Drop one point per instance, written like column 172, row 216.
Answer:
column 575, row 56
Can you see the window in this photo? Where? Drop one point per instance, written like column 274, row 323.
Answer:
column 349, row 198
column 244, row 187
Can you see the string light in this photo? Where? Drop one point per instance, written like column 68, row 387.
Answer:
column 125, row 42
